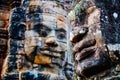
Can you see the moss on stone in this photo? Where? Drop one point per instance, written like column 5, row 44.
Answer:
column 80, row 11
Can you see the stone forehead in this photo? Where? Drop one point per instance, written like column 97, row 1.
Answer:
column 38, row 2
column 52, row 15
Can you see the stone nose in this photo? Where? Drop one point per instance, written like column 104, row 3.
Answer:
column 51, row 42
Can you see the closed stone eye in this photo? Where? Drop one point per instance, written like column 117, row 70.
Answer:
column 61, row 35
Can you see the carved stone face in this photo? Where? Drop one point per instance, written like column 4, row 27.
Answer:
column 87, row 44
column 46, row 39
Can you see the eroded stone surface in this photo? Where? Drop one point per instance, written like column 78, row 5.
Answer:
column 38, row 42
column 89, row 57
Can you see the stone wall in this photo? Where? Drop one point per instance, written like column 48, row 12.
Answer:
column 60, row 39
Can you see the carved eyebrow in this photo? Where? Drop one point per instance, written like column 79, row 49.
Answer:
column 45, row 26
column 60, row 29
column 39, row 26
